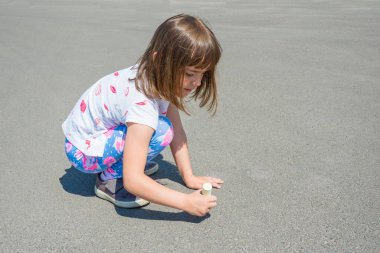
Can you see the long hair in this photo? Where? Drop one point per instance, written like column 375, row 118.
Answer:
column 180, row 41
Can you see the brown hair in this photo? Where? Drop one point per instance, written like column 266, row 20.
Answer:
column 180, row 41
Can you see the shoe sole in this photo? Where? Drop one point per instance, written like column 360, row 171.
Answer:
column 137, row 203
column 152, row 170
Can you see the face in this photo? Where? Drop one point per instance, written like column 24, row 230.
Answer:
column 192, row 79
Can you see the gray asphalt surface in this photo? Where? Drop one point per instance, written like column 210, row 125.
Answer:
column 296, row 137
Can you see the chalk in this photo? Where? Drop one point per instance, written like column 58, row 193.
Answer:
column 206, row 189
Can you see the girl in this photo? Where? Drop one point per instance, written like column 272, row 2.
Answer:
column 128, row 117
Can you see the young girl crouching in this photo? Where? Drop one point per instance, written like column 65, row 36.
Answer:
column 127, row 118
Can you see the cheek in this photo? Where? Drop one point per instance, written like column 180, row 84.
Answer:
column 185, row 81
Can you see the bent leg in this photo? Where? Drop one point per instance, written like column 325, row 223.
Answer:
column 113, row 152
column 111, row 164
column 83, row 163
column 161, row 138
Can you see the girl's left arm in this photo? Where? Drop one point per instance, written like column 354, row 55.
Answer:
column 180, row 151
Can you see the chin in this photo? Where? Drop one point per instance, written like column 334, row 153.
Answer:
column 187, row 93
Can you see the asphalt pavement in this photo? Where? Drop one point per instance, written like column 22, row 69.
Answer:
column 296, row 137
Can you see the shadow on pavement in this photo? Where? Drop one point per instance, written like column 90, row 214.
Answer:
column 166, row 171
column 79, row 183
column 147, row 214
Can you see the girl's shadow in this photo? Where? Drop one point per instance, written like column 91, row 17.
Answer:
column 79, row 183
column 142, row 213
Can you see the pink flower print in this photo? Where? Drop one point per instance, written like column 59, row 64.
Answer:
column 119, row 144
column 88, row 143
column 113, row 89
column 125, row 114
column 111, row 171
column 98, row 90
column 109, row 161
column 83, row 106
column 126, row 91
column 89, row 163
column 142, row 102
column 78, row 154
column 116, row 73
column 97, row 121
column 106, row 107
column 69, row 146
column 164, row 113
column 93, row 167
column 168, row 138
column 109, row 133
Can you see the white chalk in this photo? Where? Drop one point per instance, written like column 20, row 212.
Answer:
column 207, row 187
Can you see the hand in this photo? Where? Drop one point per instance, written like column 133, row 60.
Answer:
column 196, row 182
column 198, row 204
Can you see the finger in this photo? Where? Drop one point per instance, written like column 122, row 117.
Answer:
column 199, row 191
column 212, row 198
column 200, row 214
column 212, row 205
column 217, row 180
column 216, row 185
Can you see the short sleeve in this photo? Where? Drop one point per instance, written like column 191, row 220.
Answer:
column 144, row 112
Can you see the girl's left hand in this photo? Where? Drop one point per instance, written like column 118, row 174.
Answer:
column 196, row 182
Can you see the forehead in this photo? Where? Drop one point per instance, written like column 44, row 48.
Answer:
column 195, row 69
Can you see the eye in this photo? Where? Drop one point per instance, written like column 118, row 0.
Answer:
column 189, row 74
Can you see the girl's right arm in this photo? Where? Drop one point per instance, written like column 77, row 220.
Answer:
column 137, row 183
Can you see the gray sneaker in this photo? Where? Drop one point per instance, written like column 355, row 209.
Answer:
column 150, row 168
column 113, row 191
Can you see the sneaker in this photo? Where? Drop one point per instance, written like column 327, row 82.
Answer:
column 113, row 191
column 150, row 168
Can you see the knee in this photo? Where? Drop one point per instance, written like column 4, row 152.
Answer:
column 166, row 128
column 164, row 123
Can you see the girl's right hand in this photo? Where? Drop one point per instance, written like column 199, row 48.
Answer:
column 198, row 204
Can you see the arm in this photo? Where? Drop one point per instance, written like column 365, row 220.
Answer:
column 178, row 145
column 136, row 182
column 181, row 155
